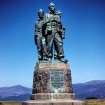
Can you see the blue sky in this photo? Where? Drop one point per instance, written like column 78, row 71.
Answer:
column 84, row 44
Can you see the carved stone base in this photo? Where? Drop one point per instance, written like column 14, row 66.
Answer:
column 50, row 96
column 54, row 102
column 52, row 78
column 52, row 85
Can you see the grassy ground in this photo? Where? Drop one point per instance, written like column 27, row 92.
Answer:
column 10, row 103
column 95, row 102
column 87, row 102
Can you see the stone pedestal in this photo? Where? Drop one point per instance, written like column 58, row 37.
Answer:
column 52, row 85
column 54, row 102
column 52, row 78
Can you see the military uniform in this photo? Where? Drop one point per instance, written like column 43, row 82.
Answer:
column 54, row 36
column 39, row 36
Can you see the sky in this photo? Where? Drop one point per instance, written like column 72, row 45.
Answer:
column 84, row 44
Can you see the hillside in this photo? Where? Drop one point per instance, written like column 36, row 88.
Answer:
column 91, row 89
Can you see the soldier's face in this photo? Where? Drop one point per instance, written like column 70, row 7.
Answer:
column 41, row 15
column 52, row 8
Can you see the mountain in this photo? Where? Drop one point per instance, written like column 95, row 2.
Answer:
column 91, row 89
column 17, row 92
column 95, row 82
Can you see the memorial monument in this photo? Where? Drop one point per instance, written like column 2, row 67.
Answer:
column 52, row 82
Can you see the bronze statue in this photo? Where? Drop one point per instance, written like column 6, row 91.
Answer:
column 39, row 36
column 49, row 35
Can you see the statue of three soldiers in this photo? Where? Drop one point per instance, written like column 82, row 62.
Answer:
column 49, row 35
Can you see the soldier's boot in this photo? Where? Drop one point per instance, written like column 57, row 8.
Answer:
column 45, row 58
column 40, row 55
column 63, row 60
column 55, row 55
column 50, row 57
column 39, row 58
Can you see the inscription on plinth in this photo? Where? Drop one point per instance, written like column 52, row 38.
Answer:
column 57, row 81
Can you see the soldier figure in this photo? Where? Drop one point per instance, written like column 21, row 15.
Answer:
column 49, row 35
column 39, row 36
column 54, row 34
column 61, row 32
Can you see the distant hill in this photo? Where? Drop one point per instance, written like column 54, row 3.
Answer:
column 91, row 89
column 17, row 92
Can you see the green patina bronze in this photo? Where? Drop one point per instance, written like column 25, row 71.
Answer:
column 49, row 35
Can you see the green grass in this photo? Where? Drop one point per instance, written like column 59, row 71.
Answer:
column 95, row 102
column 10, row 103
column 87, row 102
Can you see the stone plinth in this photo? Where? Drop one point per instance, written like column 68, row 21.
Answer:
column 52, row 85
column 54, row 102
column 49, row 96
column 52, row 78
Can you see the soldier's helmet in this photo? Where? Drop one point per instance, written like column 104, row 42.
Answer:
column 52, row 6
column 41, row 13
